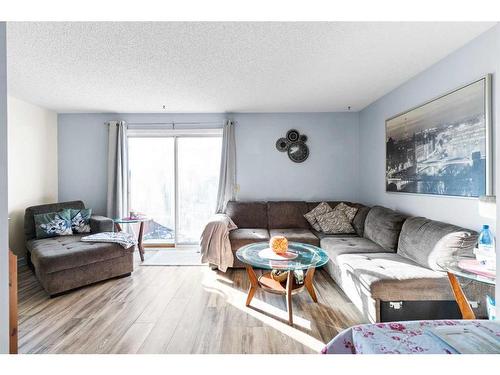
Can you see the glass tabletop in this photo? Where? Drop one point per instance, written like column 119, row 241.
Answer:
column 307, row 256
column 129, row 220
column 452, row 264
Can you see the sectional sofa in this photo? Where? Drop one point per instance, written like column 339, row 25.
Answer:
column 387, row 268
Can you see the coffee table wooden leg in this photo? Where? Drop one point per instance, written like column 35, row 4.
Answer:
column 254, row 284
column 308, row 283
column 460, row 297
column 289, row 288
column 139, row 241
column 118, row 227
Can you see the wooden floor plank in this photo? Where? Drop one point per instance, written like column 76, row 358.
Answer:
column 178, row 310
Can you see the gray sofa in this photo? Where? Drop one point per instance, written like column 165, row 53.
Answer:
column 64, row 263
column 387, row 268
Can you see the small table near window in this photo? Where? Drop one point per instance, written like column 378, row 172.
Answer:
column 127, row 220
column 308, row 257
column 451, row 266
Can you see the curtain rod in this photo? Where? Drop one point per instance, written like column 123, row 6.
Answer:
column 172, row 123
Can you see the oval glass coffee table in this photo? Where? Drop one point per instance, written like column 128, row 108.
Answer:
column 307, row 258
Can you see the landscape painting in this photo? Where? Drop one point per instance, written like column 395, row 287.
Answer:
column 441, row 147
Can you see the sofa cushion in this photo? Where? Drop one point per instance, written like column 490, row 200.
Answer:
column 60, row 253
column 322, row 235
column 424, row 241
column 359, row 220
column 336, row 245
column 30, row 212
column 383, row 226
column 283, row 215
column 391, row 277
column 248, row 214
column 296, row 235
column 244, row 236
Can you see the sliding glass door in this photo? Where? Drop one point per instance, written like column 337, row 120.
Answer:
column 152, row 186
column 198, row 163
column 174, row 180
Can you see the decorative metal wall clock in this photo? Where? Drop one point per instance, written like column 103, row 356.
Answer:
column 295, row 145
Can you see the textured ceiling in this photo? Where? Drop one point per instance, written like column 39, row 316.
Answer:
column 221, row 67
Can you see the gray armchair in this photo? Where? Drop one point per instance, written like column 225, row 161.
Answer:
column 64, row 263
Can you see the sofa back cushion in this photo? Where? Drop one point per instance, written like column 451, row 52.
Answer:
column 382, row 226
column 287, row 215
column 359, row 220
column 425, row 241
column 30, row 212
column 248, row 214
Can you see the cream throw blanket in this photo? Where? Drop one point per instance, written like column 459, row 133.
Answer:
column 215, row 245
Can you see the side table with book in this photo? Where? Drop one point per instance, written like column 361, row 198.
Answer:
column 470, row 268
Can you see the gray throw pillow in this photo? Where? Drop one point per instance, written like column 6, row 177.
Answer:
column 319, row 210
column 335, row 222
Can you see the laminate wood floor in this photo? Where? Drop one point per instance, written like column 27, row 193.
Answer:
column 184, row 309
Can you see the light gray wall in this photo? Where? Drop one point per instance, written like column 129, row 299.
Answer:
column 262, row 171
column 4, row 244
column 83, row 151
column 329, row 173
column 472, row 61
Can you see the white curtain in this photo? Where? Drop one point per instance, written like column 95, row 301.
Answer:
column 117, row 170
column 227, row 177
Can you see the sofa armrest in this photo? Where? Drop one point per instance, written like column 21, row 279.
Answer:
column 99, row 224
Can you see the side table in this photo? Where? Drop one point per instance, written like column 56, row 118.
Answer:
column 451, row 266
column 127, row 220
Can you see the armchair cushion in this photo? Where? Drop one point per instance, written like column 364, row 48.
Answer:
column 61, row 253
column 99, row 224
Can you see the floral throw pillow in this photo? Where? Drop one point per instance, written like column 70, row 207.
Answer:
column 338, row 221
column 319, row 210
column 53, row 224
column 80, row 220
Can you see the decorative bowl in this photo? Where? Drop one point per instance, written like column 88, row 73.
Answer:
column 279, row 244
